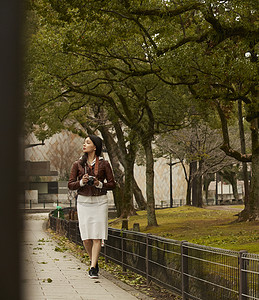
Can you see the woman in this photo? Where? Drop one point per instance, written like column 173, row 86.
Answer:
column 87, row 177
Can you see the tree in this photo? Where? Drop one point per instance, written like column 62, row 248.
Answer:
column 198, row 147
column 230, row 174
column 105, row 78
column 220, row 36
column 131, row 47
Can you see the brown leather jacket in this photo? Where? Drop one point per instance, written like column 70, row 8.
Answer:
column 104, row 172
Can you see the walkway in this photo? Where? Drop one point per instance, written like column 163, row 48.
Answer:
column 52, row 274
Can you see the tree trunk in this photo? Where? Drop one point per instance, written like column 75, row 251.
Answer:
column 126, row 156
column 188, row 180
column 243, row 151
column 141, row 202
column 199, row 185
column 194, row 183
column 127, row 205
column 251, row 211
column 230, row 176
column 206, row 182
column 151, row 216
column 217, row 190
column 124, row 161
column 118, row 193
column 233, row 181
column 235, row 191
column 189, row 192
column 118, row 196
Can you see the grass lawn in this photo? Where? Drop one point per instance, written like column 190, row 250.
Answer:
column 204, row 226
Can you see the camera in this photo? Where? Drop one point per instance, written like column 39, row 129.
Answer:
column 90, row 181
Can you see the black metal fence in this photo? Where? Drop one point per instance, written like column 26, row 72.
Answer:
column 193, row 271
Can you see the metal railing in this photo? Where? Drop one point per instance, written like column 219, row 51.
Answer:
column 46, row 205
column 191, row 270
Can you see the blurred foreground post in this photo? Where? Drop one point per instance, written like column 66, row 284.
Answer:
column 11, row 154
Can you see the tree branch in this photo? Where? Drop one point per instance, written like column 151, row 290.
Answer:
column 226, row 143
column 237, row 155
column 167, row 12
column 185, row 40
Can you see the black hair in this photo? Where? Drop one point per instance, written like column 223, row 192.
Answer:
column 98, row 144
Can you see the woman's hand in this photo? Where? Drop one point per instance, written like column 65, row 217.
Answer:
column 96, row 181
column 85, row 178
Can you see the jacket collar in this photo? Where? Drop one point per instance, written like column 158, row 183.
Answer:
column 94, row 161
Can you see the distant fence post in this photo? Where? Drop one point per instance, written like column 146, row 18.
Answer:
column 243, row 288
column 125, row 224
column 185, row 278
column 147, row 258
column 136, row 227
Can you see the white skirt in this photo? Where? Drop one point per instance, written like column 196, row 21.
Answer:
column 93, row 217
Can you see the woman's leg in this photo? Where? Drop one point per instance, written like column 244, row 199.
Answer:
column 96, row 248
column 88, row 244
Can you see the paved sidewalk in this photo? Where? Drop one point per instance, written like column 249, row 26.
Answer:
column 50, row 274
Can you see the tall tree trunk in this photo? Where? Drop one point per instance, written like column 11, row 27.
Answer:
column 118, row 192
column 194, row 183
column 139, row 198
column 251, row 211
column 124, row 161
column 206, row 182
column 127, row 205
column 151, row 216
column 189, row 192
column 127, row 157
column 118, row 196
column 243, row 151
column 235, row 191
column 233, row 182
column 216, row 190
column 188, row 180
column 199, row 185
column 230, row 176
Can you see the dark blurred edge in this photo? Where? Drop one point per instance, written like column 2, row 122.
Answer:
column 11, row 149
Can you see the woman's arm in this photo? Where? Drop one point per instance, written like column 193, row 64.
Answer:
column 74, row 183
column 110, row 184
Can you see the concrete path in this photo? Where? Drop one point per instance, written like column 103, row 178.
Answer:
column 50, row 274
column 234, row 208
